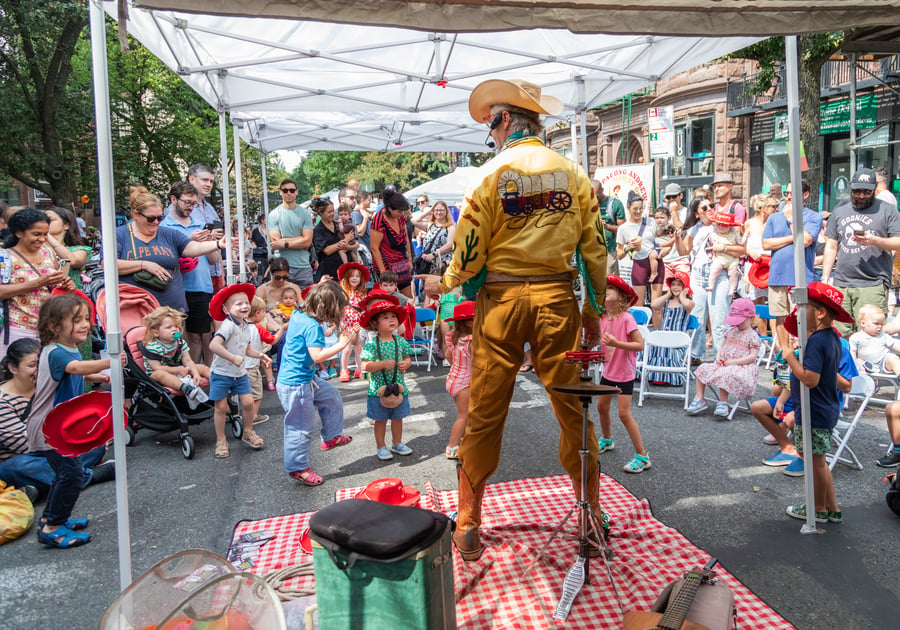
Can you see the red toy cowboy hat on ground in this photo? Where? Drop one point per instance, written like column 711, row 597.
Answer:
column 390, row 490
column 219, row 299
column 624, row 287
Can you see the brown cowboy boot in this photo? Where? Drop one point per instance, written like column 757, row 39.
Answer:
column 468, row 519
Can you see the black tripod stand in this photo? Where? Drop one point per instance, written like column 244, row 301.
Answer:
column 579, row 574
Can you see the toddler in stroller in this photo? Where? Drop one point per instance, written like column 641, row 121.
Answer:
column 166, row 356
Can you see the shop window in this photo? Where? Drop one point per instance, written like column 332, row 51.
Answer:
column 694, row 149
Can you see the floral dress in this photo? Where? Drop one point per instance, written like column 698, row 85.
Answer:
column 677, row 319
column 738, row 380
column 353, row 311
column 24, row 309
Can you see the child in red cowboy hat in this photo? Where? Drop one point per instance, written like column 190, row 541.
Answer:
column 302, row 391
column 725, row 236
column 386, row 357
column 63, row 324
column 230, row 346
column 819, row 372
column 353, row 277
column 676, row 306
column 459, row 354
column 621, row 341
column 735, row 369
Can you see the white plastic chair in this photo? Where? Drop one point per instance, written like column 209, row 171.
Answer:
column 762, row 312
column 427, row 319
column 741, row 404
column 863, row 388
column 675, row 340
column 642, row 315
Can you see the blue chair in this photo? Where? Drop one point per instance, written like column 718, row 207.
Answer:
column 641, row 315
column 762, row 311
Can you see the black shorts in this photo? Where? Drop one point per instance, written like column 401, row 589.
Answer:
column 198, row 320
column 627, row 388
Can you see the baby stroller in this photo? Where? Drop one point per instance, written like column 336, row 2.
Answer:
column 152, row 406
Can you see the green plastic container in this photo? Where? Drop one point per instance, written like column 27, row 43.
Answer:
column 415, row 593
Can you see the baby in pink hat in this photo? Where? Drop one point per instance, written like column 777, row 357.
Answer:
column 735, row 369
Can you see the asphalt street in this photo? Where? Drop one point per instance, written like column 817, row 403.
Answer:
column 707, row 481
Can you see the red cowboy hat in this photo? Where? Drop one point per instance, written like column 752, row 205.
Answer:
column 724, row 218
column 188, row 264
column 219, row 299
column 81, row 424
column 384, row 306
column 80, row 294
column 624, row 287
column 343, row 269
column 390, row 490
column 832, row 298
column 409, row 325
column 306, row 541
column 758, row 275
column 463, row 310
column 305, row 291
column 681, row 276
column 381, row 294
column 790, row 325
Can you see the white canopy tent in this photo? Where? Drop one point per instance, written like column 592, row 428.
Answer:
column 266, row 70
column 451, row 188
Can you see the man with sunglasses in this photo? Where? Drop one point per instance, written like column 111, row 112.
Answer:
column 291, row 234
column 195, row 272
column 860, row 239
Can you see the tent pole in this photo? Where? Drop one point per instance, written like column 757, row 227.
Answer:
column 265, row 199
column 226, row 201
column 239, row 196
column 574, row 133
column 582, row 123
column 111, row 280
column 852, row 113
column 800, row 293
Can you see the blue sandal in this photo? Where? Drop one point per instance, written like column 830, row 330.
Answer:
column 63, row 538
column 75, row 524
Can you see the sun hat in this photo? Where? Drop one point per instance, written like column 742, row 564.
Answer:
column 683, row 277
column 624, row 287
column 724, row 218
column 758, row 275
column 827, row 295
column 741, row 310
column 513, row 92
column 863, row 179
column 390, row 490
column 463, row 310
column 383, row 306
column 219, row 299
column 343, row 269
column 80, row 424
column 723, row 178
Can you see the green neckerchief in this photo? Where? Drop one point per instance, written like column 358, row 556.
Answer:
column 515, row 138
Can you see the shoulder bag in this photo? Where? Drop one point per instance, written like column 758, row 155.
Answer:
column 144, row 278
column 390, row 393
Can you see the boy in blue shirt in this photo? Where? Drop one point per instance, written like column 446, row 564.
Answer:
column 819, row 372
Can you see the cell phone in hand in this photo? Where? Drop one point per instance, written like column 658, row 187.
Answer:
column 63, row 265
column 859, row 232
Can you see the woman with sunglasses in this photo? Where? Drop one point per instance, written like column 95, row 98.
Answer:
column 145, row 246
column 693, row 240
column 271, row 291
column 31, row 271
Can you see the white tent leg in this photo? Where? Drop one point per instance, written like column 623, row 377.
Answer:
column 265, row 200
column 239, row 197
column 582, row 123
column 800, row 293
column 226, row 201
column 111, row 280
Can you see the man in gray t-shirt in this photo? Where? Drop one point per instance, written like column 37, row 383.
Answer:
column 860, row 239
column 291, row 232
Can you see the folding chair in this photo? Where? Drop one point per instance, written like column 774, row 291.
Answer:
column 863, row 388
column 642, row 315
column 671, row 339
column 888, row 379
column 427, row 319
column 739, row 404
column 693, row 325
column 762, row 311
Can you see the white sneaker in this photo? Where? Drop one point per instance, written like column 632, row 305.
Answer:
column 722, row 409
column 698, row 405
column 770, row 440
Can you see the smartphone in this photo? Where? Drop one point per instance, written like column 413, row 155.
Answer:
column 859, row 232
column 216, row 225
column 64, row 265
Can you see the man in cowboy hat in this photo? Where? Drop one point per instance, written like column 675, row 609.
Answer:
column 517, row 233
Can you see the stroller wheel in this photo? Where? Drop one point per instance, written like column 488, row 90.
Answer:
column 187, row 447
column 129, row 436
column 237, row 426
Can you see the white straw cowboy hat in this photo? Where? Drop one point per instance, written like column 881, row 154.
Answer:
column 513, row 92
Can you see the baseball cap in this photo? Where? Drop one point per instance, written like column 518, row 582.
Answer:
column 863, row 179
column 672, row 190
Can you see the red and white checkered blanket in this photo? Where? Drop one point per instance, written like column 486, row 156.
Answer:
column 518, row 518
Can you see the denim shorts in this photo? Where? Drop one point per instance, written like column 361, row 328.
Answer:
column 221, row 386
column 378, row 412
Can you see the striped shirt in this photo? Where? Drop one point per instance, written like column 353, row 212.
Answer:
column 461, row 369
column 12, row 430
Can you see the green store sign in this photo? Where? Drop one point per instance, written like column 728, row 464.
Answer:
column 835, row 117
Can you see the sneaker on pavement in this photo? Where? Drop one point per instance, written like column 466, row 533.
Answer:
column 795, row 468
column 779, row 459
column 324, row 375
column 384, row 454
column 606, row 444
column 770, row 440
column 697, row 406
column 31, row 492
column 260, row 419
column 401, row 449
column 637, row 464
column 799, row 512
column 104, row 472
column 835, row 517
column 721, row 409
column 890, row 460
